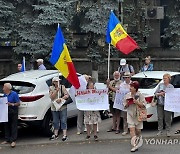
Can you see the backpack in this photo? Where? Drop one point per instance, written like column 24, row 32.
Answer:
column 129, row 67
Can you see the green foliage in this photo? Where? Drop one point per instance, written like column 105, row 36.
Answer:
column 172, row 32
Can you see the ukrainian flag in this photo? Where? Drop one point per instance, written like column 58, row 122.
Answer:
column 118, row 37
column 61, row 59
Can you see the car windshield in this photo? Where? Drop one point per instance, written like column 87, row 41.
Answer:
column 147, row 83
column 18, row 86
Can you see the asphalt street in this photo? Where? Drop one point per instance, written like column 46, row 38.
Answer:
column 92, row 147
column 32, row 141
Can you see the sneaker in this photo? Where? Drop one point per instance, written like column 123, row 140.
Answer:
column 117, row 132
column 134, row 149
column 5, row 142
column 64, row 138
column 53, row 137
column 95, row 137
column 87, row 137
column 159, row 133
column 168, row 134
column 124, row 133
column 13, row 144
column 85, row 129
column 78, row 133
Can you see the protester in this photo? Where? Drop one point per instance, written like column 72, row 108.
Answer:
column 124, row 67
column 163, row 115
column 40, row 63
column 11, row 125
column 134, row 124
column 83, row 83
column 91, row 117
column 125, row 87
column 148, row 66
column 113, row 86
column 19, row 67
column 60, row 116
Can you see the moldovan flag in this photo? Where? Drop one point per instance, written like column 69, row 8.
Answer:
column 118, row 37
column 61, row 59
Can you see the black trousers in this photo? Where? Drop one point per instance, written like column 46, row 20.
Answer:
column 11, row 127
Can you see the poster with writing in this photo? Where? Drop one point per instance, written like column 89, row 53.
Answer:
column 92, row 99
column 172, row 100
column 3, row 109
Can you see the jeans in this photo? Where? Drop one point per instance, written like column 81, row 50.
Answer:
column 60, row 117
column 11, row 127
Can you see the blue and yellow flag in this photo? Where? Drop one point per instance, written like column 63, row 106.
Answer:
column 61, row 59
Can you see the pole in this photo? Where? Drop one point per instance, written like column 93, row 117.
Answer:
column 109, row 59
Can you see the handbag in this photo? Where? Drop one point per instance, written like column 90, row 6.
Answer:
column 154, row 101
column 141, row 113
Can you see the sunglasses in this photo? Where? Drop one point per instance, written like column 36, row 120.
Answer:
column 126, row 77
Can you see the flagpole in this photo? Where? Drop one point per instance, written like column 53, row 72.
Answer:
column 109, row 58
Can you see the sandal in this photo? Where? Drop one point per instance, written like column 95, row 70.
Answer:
column 177, row 132
column 117, row 131
column 111, row 130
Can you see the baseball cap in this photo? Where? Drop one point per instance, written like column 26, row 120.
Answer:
column 123, row 62
column 55, row 79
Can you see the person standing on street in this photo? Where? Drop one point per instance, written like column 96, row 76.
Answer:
column 60, row 116
column 162, row 114
column 11, row 125
column 113, row 86
column 40, row 63
column 148, row 66
column 132, row 102
column 124, row 67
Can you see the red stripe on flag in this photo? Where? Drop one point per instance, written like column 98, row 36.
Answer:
column 72, row 77
column 127, row 45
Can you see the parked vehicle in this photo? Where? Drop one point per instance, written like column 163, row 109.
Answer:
column 33, row 89
column 149, row 82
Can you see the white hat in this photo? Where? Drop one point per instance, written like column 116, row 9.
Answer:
column 55, row 79
column 40, row 60
column 123, row 62
column 127, row 74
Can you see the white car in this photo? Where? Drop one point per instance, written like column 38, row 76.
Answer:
column 149, row 82
column 33, row 89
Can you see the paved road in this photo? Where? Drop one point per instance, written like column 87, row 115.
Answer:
column 92, row 147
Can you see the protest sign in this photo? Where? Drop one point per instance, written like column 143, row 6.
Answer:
column 3, row 109
column 172, row 100
column 92, row 99
column 119, row 98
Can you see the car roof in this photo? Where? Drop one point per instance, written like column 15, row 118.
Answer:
column 153, row 74
column 30, row 75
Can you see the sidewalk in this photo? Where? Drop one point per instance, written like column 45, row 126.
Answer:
column 103, row 135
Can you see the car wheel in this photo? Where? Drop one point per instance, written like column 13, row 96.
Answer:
column 48, row 128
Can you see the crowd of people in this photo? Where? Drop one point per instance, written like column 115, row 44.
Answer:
column 87, row 121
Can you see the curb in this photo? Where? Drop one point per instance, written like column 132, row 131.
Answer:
column 91, row 141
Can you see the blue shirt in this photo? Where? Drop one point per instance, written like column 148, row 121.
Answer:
column 12, row 98
column 42, row 67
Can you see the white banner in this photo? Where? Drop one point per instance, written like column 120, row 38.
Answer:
column 3, row 109
column 119, row 98
column 92, row 99
column 172, row 100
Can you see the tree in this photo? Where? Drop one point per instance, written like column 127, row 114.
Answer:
column 172, row 32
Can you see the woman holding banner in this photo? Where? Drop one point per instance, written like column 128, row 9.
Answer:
column 132, row 102
column 162, row 114
column 91, row 117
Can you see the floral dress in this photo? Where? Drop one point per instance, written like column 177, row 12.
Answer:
column 92, row 117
